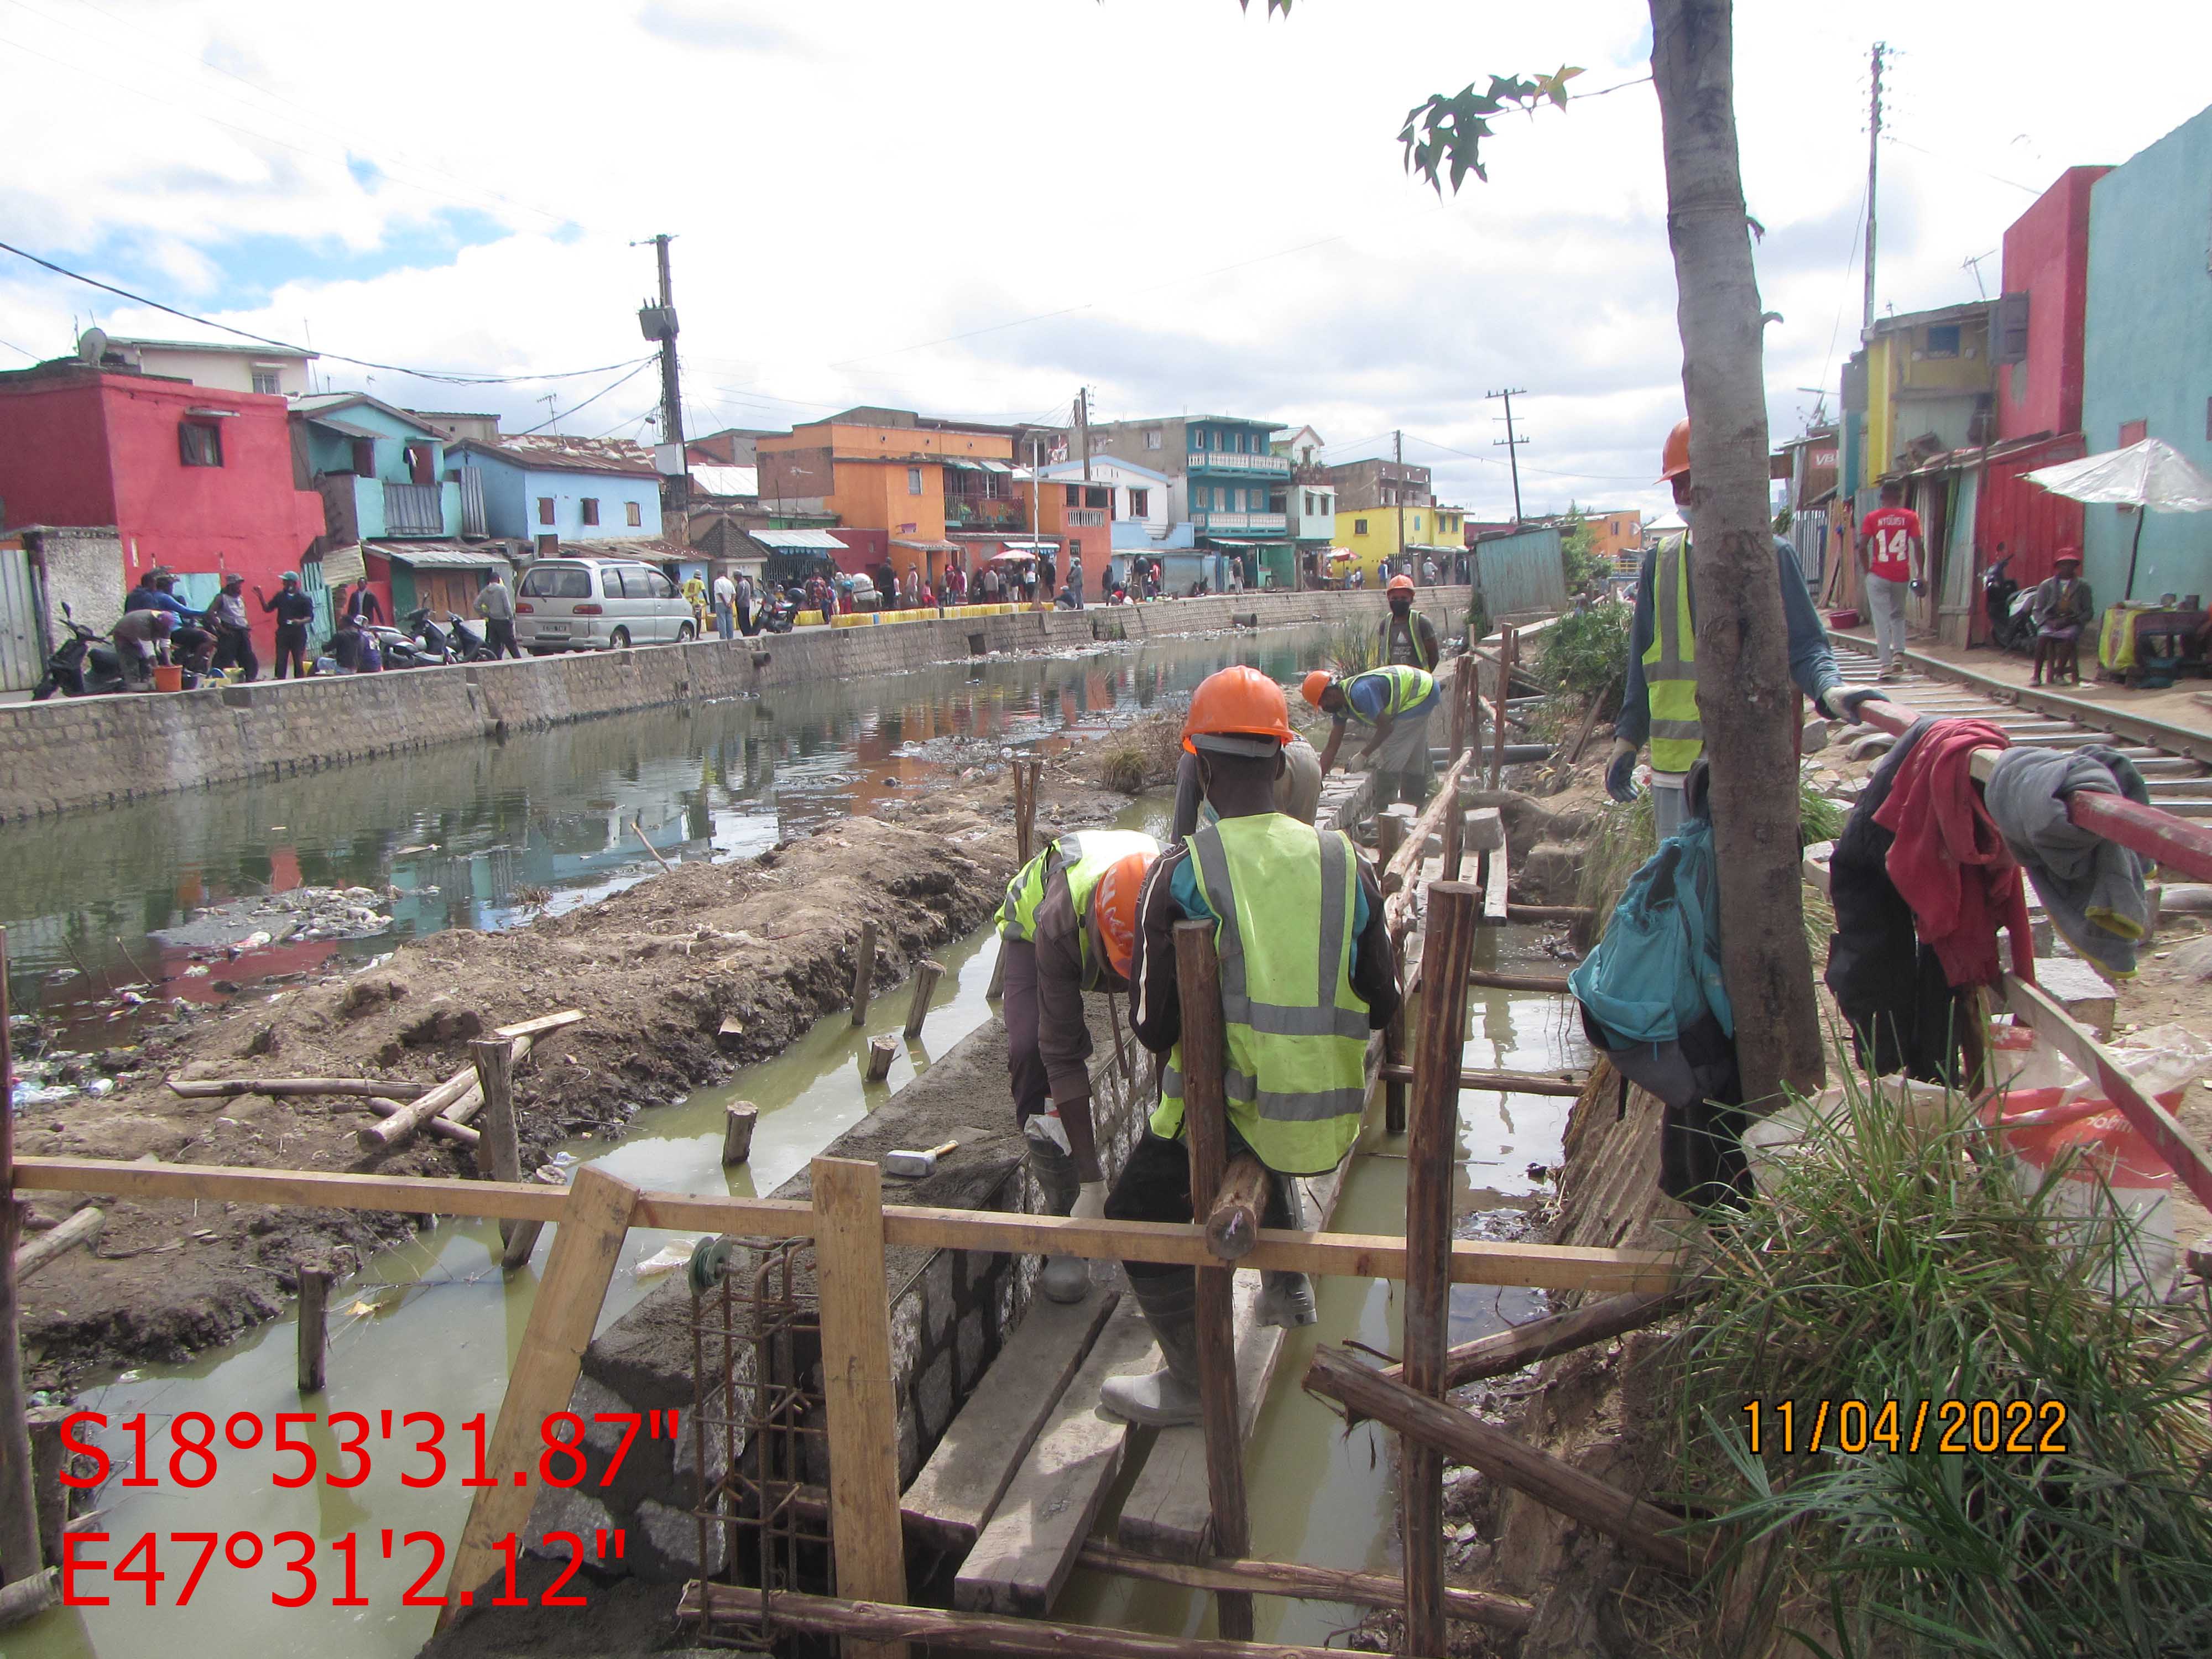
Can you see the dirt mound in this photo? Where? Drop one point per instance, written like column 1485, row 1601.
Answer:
column 656, row 969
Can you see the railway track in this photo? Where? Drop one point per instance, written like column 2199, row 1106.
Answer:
column 2172, row 758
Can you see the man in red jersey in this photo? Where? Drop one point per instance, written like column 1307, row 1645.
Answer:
column 1891, row 558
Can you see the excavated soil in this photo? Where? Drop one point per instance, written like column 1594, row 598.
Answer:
column 655, row 969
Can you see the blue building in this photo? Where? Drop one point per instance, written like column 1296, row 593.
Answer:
column 549, row 492
column 2146, row 339
column 381, row 472
column 1226, row 482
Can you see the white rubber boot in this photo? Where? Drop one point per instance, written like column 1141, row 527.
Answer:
column 1167, row 1397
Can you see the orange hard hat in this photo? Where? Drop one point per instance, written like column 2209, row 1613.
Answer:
column 1314, row 684
column 1237, row 703
column 1113, row 907
column 1401, row 583
column 1674, row 459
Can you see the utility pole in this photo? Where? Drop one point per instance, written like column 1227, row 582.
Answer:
column 1082, row 428
column 1874, row 149
column 1511, row 442
column 1397, row 454
column 659, row 323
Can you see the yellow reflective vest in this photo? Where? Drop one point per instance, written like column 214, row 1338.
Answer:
column 1086, row 855
column 1409, row 687
column 1670, row 663
column 1285, row 897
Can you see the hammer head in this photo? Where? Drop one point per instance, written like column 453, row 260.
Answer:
column 915, row 1164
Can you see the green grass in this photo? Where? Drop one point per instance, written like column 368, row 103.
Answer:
column 1889, row 1264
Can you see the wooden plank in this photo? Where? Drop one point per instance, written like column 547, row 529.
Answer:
column 1295, row 1578
column 1432, row 1157
column 1206, row 1130
column 960, row 1486
column 1352, row 1256
column 859, row 1395
column 594, row 1218
column 1503, row 1352
column 1026, row 1550
column 1503, row 1083
column 1497, row 908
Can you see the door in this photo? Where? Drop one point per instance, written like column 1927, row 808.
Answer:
column 21, row 663
column 317, row 590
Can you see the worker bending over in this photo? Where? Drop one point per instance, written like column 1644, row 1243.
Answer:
column 1068, row 925
column 1306, row 974
column 1396, row 701
column 1660, row 698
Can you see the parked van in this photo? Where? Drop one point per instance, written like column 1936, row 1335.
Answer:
column 582, row 605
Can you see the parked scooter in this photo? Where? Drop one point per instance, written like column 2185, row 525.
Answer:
column 777, row 613
column 461, row 645
column 85, row 665
column 2009, row 608
column 403, row 650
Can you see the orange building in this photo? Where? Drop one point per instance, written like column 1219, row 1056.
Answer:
column 1080, row 516
column 1615, row 536
column 894, row 470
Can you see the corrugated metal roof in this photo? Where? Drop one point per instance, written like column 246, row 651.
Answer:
column 346, row 426
column 440, row 555
column 799, row 541
column 737, row 481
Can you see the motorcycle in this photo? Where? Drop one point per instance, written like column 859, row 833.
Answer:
column 2009, row 608
column 439, row 647
column 777, row 614
column 85, row 665
column 403, row 650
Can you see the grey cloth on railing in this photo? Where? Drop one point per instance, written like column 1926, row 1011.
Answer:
column 2092, row 887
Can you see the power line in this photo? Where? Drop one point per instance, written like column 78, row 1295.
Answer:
column 449, row 378
column 636, row 369
column 1549, row 472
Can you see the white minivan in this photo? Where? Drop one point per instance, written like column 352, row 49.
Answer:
column 582, row 605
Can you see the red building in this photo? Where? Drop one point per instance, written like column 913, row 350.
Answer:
column 192, row 478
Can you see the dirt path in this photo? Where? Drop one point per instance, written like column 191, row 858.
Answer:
column 655, row 968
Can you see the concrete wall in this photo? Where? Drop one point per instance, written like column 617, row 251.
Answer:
column 65, row 755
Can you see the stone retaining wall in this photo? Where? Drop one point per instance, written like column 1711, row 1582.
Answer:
column 71, row 753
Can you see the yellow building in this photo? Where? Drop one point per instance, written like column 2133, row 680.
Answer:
column 1372, row 534
column 1928, row 376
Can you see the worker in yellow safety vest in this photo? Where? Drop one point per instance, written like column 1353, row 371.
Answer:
column 1397, row 700
column 1659, row 698
column 1068, row 925
column 1306, row 974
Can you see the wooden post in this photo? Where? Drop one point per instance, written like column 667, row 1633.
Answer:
column 739, row 1119
column 1394, row 1046
column 587, row 1242
column 19, row 1508
column 926, row 976
column 859, row 1399
column 1027, row 774
column 82, row 1228
column 1232, row 1223
column 314, row 1327
column 48, row 1464
column 864, row 971
column 1455, row 836
column 1205, row 1126
column 1432, row 1158
column 499, row 1152
column 1508, row 652
column 876, row 1064
column 1390, row 835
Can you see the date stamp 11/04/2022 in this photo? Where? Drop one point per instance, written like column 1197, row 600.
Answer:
column 1947, row 1427
column 166, row 1567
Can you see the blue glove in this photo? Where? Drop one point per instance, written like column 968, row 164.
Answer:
column 1620, row 775
column 1847, row 703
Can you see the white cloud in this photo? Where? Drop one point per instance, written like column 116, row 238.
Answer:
column 1201, row 208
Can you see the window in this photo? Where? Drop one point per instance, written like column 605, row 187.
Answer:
column 1359, row 527
column 199, row 443
column 1074, row 494
column 2131, row 432
column 589, row 505
column 1198, row 437
column 545, row 509
column 1152, row 438
column 633, row 515
column 548, row 546
column 913, row 481
column 364, row 458
column 1944, row 340
column 1140, row 501
column 1417, row 523
column 265, row 382
column 1390, row 496
column 560, row 581
column 640, row 583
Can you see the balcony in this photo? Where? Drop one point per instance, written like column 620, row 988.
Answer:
column 1086, row 518
column 1224, row 523
column 413, row 509
column 1223, row 461
column 985, row 513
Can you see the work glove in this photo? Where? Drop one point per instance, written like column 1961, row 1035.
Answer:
column 1844, row 705
column 1620, row 774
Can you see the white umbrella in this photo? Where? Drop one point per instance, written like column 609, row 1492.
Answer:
column 2150, row 475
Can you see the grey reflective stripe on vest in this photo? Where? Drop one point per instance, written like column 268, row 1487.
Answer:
column 1239, row 1089
column 1272, row 1018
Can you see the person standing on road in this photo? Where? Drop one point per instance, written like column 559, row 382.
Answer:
column 1397, row 700
column 1891, row 556
column 726, row 607
column 695, row 595
column 362, row 605
column 1408, row 638
column 233, row 630
column 294, row 611
column 1307, row 975
column 495, row 604
column 1075, row 579
column 1659, row 697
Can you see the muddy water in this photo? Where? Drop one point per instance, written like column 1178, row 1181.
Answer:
column 433, row 1328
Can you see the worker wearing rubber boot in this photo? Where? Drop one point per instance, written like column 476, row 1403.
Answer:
column 1306, row 974
column 1068, row 925
column 1397, row 701
column 1659, row 702
column 1408, row 638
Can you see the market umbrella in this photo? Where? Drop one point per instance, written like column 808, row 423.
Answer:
column 2150, row 476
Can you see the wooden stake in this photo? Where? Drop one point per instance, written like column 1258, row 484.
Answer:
column 864, row 971
column 48, row 1464
column 1395, row 1072
column 594, row 1220
column 1455, row 836
column 1465, row 1438
column 665, row 865
column 926, row 976
column 1232, row 1225
column 1432, row 1156
column 19, row 1508
column 1503, row 1352
column 859, row 1396
column 499, row 1152
column 739, row 1118
column 876, row 1064
column 1508, row 652
column 459, row 1095
column 82, row 1228
column 1026, row 776
column 437, row 1123
column 314, row 1327
column 220, row 1088
column 1206, row 1127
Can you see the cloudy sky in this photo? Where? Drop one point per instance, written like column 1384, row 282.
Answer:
column 974, row 208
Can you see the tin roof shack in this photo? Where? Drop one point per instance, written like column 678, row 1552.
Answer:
column 552, row 492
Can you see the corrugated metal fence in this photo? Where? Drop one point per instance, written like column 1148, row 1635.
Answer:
column 1524, row 571
column 21, row 663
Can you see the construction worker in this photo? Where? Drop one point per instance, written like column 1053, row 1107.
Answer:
column 1306, row 974
column 1660, row 698
column 1068, row 925
column 1298, row 789
column 1397, row 701
column 1408, row 638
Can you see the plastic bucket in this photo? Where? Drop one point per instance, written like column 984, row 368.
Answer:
column 2113, row 1175
column 168, row 677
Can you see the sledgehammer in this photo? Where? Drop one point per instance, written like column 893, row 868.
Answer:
column 915, row 1164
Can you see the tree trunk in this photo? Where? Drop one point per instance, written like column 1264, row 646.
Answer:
column 1745, row 700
